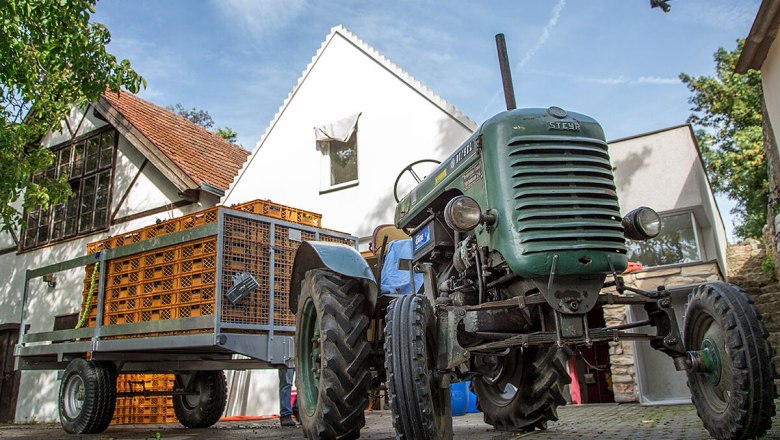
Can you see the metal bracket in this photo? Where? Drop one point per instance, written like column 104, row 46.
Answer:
column 449, row 352
column 243, row 284
column 668, row 339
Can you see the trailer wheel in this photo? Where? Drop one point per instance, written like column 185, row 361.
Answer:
column 421, row 407
column 204, row 407
column 732, row 379
column 522, row 390
column 87, row 397
column 332, row 354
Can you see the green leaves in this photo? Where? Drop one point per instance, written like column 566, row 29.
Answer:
column 51, row 57
column 727, row 108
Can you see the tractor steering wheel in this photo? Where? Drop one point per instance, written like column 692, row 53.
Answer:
column 410, row 169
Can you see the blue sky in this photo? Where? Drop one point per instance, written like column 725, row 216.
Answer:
column 615, row 60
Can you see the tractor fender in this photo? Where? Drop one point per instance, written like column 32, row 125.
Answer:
column 337, row 257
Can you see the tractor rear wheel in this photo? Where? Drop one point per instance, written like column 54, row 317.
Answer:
column 332, row 355
column 421, row 407
column 521, row 391
column 732, row 385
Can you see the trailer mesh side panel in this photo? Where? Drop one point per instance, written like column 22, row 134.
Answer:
column 181, row 280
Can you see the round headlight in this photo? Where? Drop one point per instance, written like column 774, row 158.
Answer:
column 462, row 213
column 641, row 224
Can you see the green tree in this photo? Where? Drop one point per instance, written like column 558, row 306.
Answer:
column 203, row 118
column 51, row 57
column 227, row 134
column 727, row 114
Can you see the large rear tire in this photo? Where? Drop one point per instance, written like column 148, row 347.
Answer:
column 206, row 404
column 421, row 408
column 332, row 354
column 523, row 390
column 87, row 397
column 734, row 396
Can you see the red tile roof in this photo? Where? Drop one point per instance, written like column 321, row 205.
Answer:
column 199, row 153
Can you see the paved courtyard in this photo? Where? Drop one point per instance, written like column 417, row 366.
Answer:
column 603, row 422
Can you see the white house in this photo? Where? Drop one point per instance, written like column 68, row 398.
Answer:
column 352, row 122
column 129, row 163
column 762, row 52
column 664, row 170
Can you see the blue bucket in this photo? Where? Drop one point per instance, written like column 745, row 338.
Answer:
column 459, row 398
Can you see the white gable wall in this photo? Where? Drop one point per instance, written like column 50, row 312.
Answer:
column 398, row 125
column 770, row 80
column 663, row 170
column 38, row 390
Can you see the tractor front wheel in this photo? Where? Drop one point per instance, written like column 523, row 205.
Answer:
column 732, row 378
column 421, row 407
column 332, row 354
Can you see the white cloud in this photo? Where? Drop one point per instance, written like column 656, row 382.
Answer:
column 608, row 80
column 556, row 13
column 260, row 18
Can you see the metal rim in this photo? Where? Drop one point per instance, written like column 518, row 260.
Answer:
column 309, row 358
column 715, row 386
column 192, row 400
column 74, row 396
column 498, row 389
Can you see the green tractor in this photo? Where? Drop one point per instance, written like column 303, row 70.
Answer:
column 516, row 235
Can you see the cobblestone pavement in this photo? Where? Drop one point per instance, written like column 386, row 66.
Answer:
column 603, row 422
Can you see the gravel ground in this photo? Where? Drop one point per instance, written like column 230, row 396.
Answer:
column 603, row 421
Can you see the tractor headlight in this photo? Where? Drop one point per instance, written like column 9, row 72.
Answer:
column 462, row 213
column 641, row 224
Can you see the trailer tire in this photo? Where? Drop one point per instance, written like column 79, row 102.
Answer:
column 87, row 396
column 421, row 408
column 332, row 356
column 734, row 397
column 528, row 394
column 205, row 408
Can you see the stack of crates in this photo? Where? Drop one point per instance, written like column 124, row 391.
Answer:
column 179, row 281
column 140, row 409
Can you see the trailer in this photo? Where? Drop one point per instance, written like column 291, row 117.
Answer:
column 244, row 324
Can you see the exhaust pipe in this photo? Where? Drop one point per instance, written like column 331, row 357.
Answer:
column 506, row 73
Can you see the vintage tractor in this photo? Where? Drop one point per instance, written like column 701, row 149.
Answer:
column 516, row 235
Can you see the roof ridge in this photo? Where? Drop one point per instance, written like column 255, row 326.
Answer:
column 406, row 76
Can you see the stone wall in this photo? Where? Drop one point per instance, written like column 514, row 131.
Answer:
column 745, row 271
column 621, row 354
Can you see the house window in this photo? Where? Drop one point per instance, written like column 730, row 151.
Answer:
column 337, row 143
column 88, row 163
column 676, row 244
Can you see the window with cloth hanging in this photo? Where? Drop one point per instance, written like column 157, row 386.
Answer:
column 337, row 143
column 88, row 163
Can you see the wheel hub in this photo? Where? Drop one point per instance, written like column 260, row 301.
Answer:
column 707, row 361
column 74, row 396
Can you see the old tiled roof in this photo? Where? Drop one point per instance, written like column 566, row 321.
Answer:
column 200, row 154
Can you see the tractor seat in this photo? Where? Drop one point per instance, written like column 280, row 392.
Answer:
column 382, row 235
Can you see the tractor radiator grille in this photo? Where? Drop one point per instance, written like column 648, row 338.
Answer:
column 564, row 195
